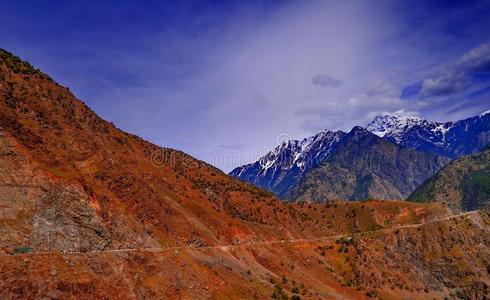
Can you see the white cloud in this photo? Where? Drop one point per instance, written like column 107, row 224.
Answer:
column 457, row 77
column 478, row 59
column 444, row 85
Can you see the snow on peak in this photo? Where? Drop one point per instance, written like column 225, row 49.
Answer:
column 393, row 123
column 484, row 113
column 299, row 152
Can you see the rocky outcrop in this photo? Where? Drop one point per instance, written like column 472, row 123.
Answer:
column 41, row 212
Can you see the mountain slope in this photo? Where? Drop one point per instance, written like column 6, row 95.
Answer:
column 337, row 165
column 284, row 166
column 364, row 166
column 464, row 184
column 451, row 139
column 157, row 196
column 287, row 167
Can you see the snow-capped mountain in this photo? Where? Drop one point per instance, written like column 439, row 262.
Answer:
column 451, row 139
column 394, row 124
column 333, row 165
column 283, row 166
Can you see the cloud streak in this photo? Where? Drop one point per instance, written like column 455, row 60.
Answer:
column 460, row 75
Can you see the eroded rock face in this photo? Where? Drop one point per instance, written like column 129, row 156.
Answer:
column 41, row 213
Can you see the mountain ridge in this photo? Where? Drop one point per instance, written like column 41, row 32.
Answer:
column 364, row 166
column 407, row 129
column 284, row 165
column 450, row 139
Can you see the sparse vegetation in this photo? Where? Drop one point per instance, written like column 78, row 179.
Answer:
column 371, row 294
column 17, row 65
column 343, row 249
column 279, row 293
column 21, row 250
column 346, row 241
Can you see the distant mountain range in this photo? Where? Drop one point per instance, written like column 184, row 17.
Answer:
column 451, row 139
column 296, row 170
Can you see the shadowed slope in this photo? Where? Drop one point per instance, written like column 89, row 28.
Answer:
column 464, row 184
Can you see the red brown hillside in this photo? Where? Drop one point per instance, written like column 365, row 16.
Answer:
column 70, row 181
column 162, row 196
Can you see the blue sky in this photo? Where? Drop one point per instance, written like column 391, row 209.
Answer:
column 222, row 80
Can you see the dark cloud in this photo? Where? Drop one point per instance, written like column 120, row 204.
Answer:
column 470, row 68
column 324, row 80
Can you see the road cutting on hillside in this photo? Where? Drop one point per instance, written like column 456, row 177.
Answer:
column 245, row 244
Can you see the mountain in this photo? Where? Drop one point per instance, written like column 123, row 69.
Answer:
column 88, row 211
column 283, row 167
column 364, row 166
column 337, row 165
column 451, row 139
column 464, row 184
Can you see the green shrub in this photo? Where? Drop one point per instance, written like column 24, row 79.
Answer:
column 371, row 294
column 347, row 282
column 20, row 250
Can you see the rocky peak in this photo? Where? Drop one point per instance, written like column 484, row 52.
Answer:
column 394, row 124
column 358, row 132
